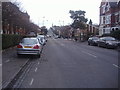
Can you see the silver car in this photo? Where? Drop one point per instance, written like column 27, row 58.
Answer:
column 93, row 40
column 108, row 42
column 29, row 46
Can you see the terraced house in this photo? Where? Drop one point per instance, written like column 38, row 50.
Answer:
column 109, row 16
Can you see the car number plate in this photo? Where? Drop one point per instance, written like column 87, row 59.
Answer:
column 27, row 47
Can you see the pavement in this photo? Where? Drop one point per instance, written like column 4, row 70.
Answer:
column 11, row 64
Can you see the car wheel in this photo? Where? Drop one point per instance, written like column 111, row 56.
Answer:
column 106, row 46
column 98, row 45
column 91, row 44
column 118, row 48
column 38, row 56
column 18, row 55
column 88, row 43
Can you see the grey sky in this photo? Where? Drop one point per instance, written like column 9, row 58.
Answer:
column 57, row 11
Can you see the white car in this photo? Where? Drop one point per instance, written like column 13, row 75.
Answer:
column 42, row 39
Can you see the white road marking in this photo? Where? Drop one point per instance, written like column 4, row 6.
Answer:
column 89, row 54
column 31, row 82
column 116, row 66
column 36, row 69
column 7, row 61
column 38, row 63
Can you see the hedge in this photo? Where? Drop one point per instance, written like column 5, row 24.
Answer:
column 115, row 34
column 10, row 40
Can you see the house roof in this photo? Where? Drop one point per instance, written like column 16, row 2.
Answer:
column 113, row 4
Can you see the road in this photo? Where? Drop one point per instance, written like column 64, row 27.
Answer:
column 69, row 64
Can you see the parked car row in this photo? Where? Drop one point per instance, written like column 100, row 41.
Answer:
column 107, row 42
column 31, row 45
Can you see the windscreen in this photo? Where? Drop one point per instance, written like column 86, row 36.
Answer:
column 95, row 38
column 109, row 39
column 29, row 41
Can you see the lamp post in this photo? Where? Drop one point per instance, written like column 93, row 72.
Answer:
column 63, row 23
column 43, row 20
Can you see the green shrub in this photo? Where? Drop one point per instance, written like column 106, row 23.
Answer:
column 104, row 35
column 116, row 34
column 10, row 40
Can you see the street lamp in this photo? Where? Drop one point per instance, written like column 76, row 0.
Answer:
column 43, row 20
column 63, row 23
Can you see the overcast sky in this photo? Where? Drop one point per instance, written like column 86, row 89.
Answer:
column 57, row 11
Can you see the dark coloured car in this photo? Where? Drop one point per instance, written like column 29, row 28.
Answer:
column 119, row 46
column 93, row 41
column 108, row 42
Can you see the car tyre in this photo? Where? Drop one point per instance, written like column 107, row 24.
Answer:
column 118, row 48
column 106, row 46
column 38, row 55
column 18, row 55
column 98, row 45
column 88, row 43
column 91, row 44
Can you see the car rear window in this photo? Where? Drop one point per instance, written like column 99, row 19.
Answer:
column 29, row 41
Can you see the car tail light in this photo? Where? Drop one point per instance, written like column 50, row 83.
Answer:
column 36, row 47
column 19, row 46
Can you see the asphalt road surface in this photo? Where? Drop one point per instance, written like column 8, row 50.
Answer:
column 70, row 64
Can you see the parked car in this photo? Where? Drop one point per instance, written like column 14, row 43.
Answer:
column 119, row 46
column 42, row 39
column 108, row 42
column 29, row 46
column 93, row 41
column 56, row 37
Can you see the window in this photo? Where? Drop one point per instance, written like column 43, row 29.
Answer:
column 107, row 7
column 103, row 20
column 103, row 31
column 108, row 20
column 116, row 18
column 103, row 9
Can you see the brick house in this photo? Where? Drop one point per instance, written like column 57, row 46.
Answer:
column 92, row 29
column 82, row 35
column 109, row 16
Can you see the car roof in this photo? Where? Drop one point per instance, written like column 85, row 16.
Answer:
column 94, row 37
column 107, row 37
column 40, row 35
column 30, row 38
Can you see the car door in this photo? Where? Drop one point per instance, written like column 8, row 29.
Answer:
column 103, row 42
